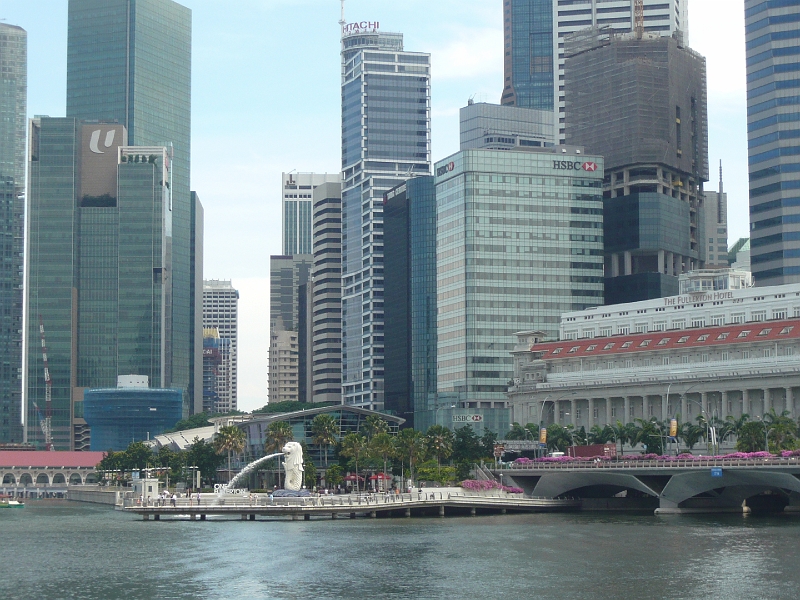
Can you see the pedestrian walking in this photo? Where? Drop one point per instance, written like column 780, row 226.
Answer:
column 174, row 500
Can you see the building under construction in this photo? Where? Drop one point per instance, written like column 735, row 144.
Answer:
column 640, row 101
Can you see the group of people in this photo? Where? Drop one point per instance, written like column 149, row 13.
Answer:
column 161, row 499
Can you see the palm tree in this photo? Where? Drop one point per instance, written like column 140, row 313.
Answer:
column 278, row 433
column 650, row 434
column 411, row 447
column 690, row 434
column 382, row 446
column 324, row 430
column 373, row 425
column 517, row 432
column 440, row 441
column 354, row 445
column 229, row 439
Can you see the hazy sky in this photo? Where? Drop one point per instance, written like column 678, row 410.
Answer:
column 266, row 99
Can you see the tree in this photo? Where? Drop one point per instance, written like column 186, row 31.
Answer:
column 558, row 437
column 278, row 433
column 309, row 468
column 690, row 434
column 288, row 406
column 137, row 455
column 751, row 437
column 354, row 445
column 487, row 440
column 517, row 432
column 334, row 476
column 782, row 431
column 230, row 439
column 467, row 445
column 324, row 430
column 650, row 434
column 203, row 456
column 373, row 425
column 382, row 446
column 411, row 447
column 440, row 442
column 193, row 422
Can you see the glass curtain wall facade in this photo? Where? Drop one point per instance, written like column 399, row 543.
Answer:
column 297, row 190
column 98, row 270
column 129, row 61
column 773, row 116
column 410, row 307
column 519, row 241
column 528, row 54
column 385, row 140
column 221, row 313
column 13, row 107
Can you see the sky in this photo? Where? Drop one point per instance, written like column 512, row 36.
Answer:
column 266, row 100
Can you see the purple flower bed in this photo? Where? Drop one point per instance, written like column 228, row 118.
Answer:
column 485, row 485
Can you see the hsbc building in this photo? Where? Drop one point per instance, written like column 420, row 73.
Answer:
column 519, row 237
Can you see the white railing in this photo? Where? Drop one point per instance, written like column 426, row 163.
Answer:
column 622, row 464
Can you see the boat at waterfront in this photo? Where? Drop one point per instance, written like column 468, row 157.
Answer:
column 8, row 502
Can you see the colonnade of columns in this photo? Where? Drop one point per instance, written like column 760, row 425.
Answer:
column 688, row 404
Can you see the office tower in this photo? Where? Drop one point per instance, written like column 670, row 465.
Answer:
column 129, row 61
column 410, row 306
column 99, row 269
column 385, row 140
column 326, row 274
column 13, row 95
column 534, row 32
column 519, row 239
column 296, row 214
column 497, row 127
column 641, row 103
column 196, row 304
column 716, row 225
column 772, row 130
column 739, row 255
column 288, row 274
column 221, row 314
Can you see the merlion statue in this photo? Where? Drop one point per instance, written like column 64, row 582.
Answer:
column 293, row 466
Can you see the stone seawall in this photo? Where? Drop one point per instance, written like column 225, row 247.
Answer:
column 95, row 496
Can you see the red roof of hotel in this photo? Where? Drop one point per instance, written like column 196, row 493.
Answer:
column 673, row 339
column 67, row 460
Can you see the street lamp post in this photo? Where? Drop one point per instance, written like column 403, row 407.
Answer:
column 438, row 408
column 541, row 407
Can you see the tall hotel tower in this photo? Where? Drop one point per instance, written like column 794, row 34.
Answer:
column 13, row 94
column 772, row 32
column 385, row 140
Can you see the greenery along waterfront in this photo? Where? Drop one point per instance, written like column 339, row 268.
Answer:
column 438, row 455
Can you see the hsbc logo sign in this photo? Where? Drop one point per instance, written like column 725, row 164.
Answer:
column 568, row 165
column 445, row 169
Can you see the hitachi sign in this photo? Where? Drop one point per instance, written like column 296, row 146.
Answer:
column 361, row 27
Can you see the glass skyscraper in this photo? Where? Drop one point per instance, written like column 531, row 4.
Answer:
column 773, row 126
column 385, row 140
column 13, row 95
column 410, row 305
column 99, row 265
column 129, row 61
column 296, row 219
column 519, row 241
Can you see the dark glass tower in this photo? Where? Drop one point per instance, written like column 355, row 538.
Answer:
column 410, row 305
column 13, row 94
column 129, row 61
column 385, row 140
column 99, row 265
column 528, row 54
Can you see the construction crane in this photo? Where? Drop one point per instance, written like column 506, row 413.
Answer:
column 46, row 422
column 638, row 18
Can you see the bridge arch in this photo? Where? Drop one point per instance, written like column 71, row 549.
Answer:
column 25, row 479
column 732, row 488
column 59, row 478
column 75, row 479
column 9, row 478
column 557, row 484
column 42, row 478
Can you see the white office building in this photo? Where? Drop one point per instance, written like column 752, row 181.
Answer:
column 221, row 310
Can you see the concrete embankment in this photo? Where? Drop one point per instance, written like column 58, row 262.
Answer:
column 95, row 495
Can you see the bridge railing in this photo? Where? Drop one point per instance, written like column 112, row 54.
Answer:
column 621, row 463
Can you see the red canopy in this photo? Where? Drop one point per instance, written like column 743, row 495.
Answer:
column 353, row 478
column 380, row 476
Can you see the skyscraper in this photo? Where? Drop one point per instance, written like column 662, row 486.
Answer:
column 296, row 213
column 716, row 225
column 410, row 305
column 13, row 95
column 99, row 269
column 221, row 314
column 771, row 30
column 129, row 62
column 385, row 140
column 534, row 32
column 641, row 103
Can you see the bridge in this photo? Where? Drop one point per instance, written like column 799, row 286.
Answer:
column 371, row 505
column 667, row 486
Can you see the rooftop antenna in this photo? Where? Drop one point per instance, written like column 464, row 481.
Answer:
column 638, row 18
column 341, row 20
column 720, row 177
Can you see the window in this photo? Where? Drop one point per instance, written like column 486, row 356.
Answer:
column 592, row 347
column 596, row 413
column 765, row 331
column 631, row 411
column 610, row 365
column 779, row 314
column 557, row 351
column 723, row 336
column 587, row 333
column 786, row 330
column 737, row 318
column 758, row 315
column 664, row 341
column 623, row 330
column 745, row 354
column 665, row 360
column 578, row 414
column 704, row 358
column 605, row 331
column 684, row 359
column 608, row 346
column 725, row 356
column 660, row 326
column 570, row 335
column 743, row 334
column 573, row 350
column 702, row 338
column 698, row 322
column 678, row 323
column 626, row 345
column 628, row 364
column 789, row 351
column 683, row 339
column 641, row 328
column 718, row 320
column 767, row 352
column 613, row 411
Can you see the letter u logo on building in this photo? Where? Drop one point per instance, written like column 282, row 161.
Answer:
column 96, row 140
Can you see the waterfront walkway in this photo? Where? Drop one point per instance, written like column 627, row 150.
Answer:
column 371, row 505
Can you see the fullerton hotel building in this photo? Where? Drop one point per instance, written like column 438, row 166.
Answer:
column 721, row 347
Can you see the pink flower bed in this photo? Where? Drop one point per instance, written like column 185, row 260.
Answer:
column 484, row 485
column 636, row 457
